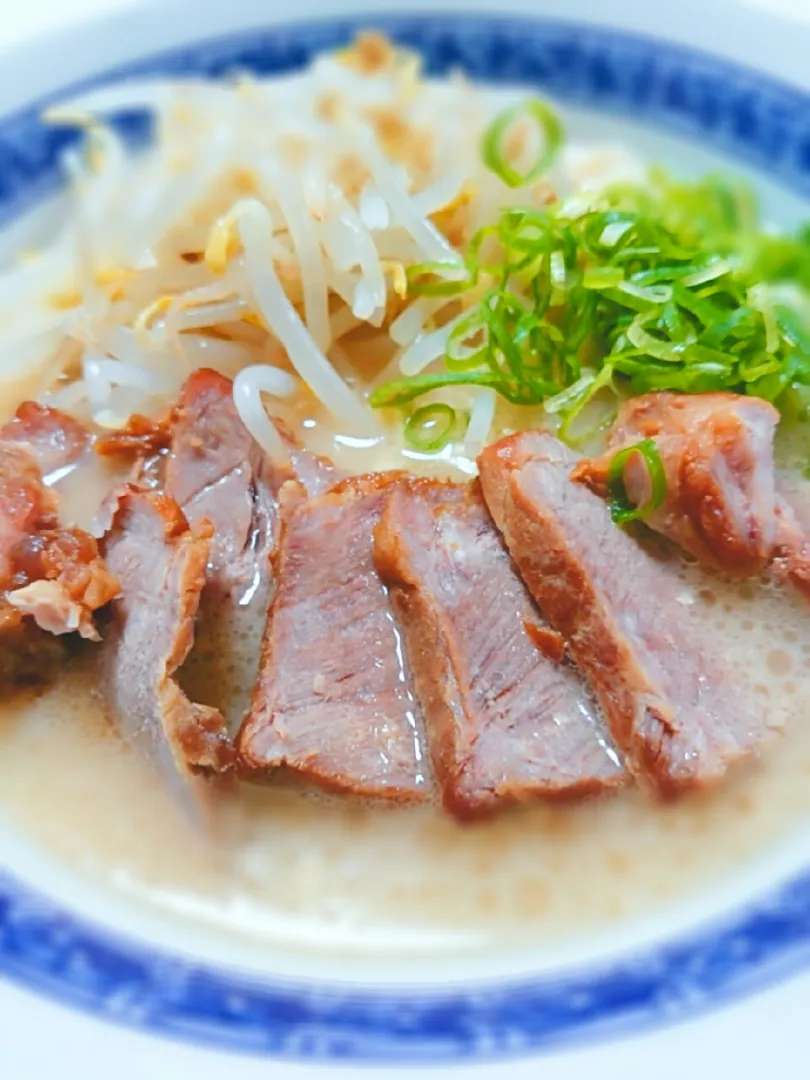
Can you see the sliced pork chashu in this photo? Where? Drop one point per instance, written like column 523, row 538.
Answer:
column 53, row 574
column 507, row 717
column 334, row 700
column 54, row 439
column 216, row 471
column 725, row 503
column 202, row 455
column 27, row 653
column 160, row 563
column 673, row 707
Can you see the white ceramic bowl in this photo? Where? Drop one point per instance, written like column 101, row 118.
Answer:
column 698, row 82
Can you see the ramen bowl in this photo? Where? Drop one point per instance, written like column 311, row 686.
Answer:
column 328, row 943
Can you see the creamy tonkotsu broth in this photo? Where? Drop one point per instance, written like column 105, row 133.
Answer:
column 294, row 869
column 269, row 234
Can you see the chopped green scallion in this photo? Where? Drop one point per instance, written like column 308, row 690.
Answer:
column 621, row 509
column 664, row 286
column 551, row 133
column 430, row 427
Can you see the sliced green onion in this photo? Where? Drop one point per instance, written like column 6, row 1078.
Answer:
column 769, row 387
column 653, row 294
column 614, row 231
column 483, row 237
column 794, row 327
column 439, row 279
column 702, row 308
column 757, row 367
column 662, row 286
column 711, row 272
column 572, row 396
column 467, row 345
column 600, row 232
column 587, row 387
column 557, row 269
column 653, row 346
column 717, row 332
column 551, row 133
column 677, row 324
column 642, row 298
column 696, row 379
column 528, row 230
column 759, row 297
column 403, row 391
column 700, row 356
column 621, row 509
column 602, row 277
column 430, row 427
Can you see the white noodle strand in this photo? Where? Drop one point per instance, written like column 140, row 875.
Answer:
column 482, row 415
column 427, row 347
column 248, row 387
column 268, row 220
column 403, row 211
column 255, row 229
column 308, row 252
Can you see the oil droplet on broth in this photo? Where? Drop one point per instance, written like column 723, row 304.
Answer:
column 779, row 662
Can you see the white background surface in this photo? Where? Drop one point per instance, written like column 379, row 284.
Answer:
column 20, row 19
column 761, row 1037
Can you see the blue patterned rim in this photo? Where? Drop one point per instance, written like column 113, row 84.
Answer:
column 47, row 949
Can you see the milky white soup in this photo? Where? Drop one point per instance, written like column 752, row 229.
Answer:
column 304, row 870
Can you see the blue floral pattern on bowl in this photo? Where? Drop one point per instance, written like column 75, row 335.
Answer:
column 47, row 949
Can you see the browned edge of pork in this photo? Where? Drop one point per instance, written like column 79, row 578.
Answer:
column 333, row 701
column 505, row 721
column 50, row 573
column 216, row 471
column 674, row 708
column 202, row 455
column 54, row 439
column 211, row 465
column 717, row 453
column 161, row 564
